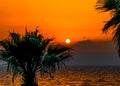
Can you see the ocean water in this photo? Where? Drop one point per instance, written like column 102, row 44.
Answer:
column 71, row 76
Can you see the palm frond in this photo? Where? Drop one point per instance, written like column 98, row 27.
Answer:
column 57, row 49
column 108, row 5
column 15, row 37
column 65, row 56
column 16, row 70
column 35, row 33
column 113, row 22
column 45, row 42
column 50, row 64
column 116, row 38
column 5, row 44
column 50, row 60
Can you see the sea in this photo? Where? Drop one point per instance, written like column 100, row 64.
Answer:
column 70, row 76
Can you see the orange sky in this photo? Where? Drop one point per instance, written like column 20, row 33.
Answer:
column 74, row 19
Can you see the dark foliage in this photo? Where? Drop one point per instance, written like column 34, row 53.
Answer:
column 112, row 6
column 32, row 53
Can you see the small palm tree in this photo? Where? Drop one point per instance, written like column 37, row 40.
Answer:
column 30, row 54
column 112, row 6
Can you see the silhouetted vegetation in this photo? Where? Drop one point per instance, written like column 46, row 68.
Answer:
column 32, row 53
column 112, row 6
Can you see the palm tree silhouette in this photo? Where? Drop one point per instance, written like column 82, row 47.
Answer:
column 112, row 6
column 32, row 53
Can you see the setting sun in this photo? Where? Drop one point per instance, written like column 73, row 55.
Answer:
column 67, row 41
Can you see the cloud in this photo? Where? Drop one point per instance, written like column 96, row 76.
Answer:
column 94, row 53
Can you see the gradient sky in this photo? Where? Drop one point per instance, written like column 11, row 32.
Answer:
column 74, row 19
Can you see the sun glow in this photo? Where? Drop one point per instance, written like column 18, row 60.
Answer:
column 67, row 41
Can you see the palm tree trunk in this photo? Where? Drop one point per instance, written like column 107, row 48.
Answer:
column 29, row 79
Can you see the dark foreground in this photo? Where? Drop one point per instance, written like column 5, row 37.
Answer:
column 72, row 76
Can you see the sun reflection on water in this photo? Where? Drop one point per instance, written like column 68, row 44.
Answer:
column 74, row 77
